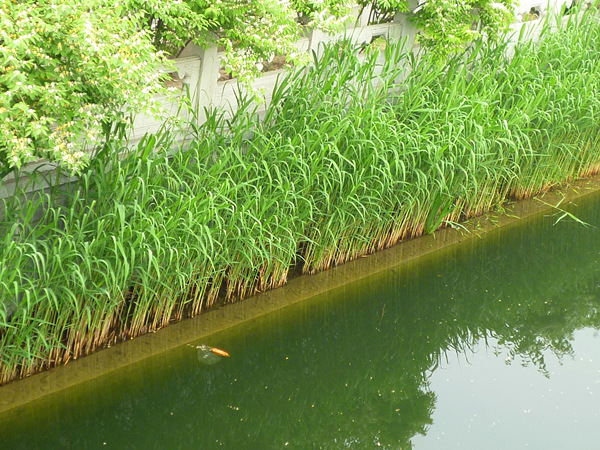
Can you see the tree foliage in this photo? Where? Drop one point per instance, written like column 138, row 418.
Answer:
column 66, row 69
column 447, row 25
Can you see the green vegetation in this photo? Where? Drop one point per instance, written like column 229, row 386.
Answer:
column 347, row 161
column 447, row 25
column 71, row 69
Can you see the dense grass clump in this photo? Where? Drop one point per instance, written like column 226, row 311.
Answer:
column 352, row 156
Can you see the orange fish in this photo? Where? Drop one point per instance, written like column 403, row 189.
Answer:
column 218, row 351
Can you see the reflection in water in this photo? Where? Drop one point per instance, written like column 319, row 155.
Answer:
column 505, row 406
column 354, row 369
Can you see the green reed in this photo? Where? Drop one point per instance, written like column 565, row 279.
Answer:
column 353, row 155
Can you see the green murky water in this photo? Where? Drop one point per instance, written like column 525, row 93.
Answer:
column 490, row 345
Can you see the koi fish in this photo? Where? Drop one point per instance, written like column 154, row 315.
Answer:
column 218, row 351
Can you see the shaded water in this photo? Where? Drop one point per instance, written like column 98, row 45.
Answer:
column 489, row 345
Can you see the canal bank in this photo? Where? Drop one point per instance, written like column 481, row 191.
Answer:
column 101, row 363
